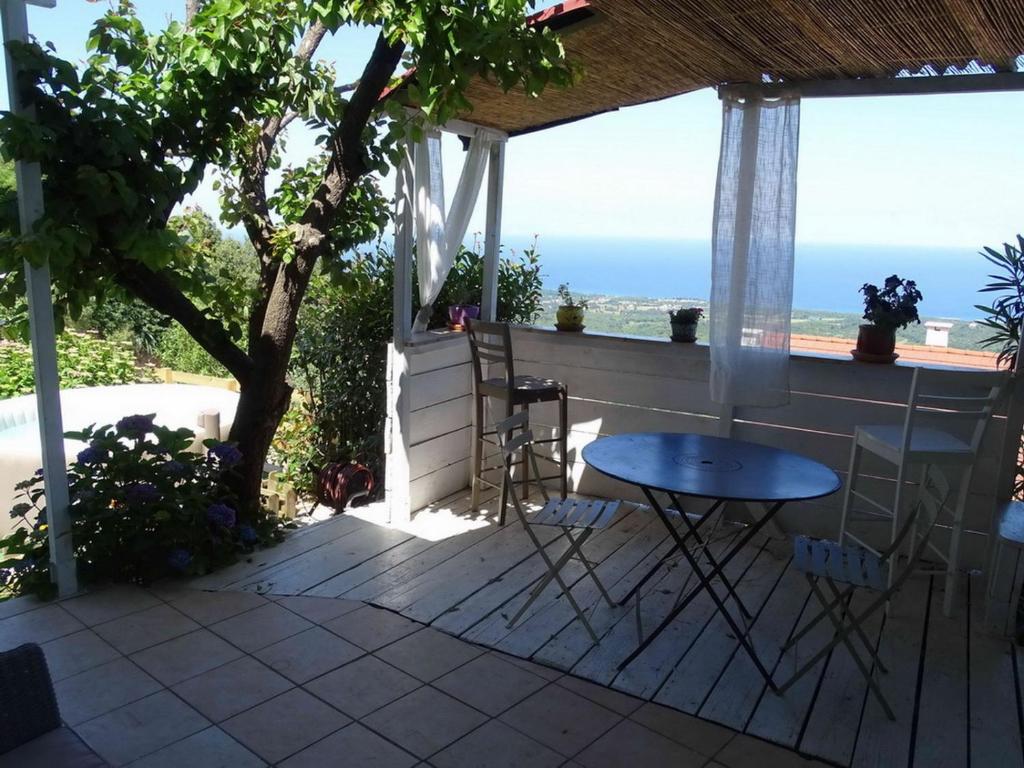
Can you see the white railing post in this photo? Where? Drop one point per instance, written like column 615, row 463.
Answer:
column 43, row 334
column 492, row 231
column 402, row 290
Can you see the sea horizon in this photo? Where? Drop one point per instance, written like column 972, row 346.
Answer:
column 827, row 276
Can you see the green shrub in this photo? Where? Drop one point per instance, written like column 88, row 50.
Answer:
column 340, row 356
column 180, row 352
column 83, row 360
column 142, row 508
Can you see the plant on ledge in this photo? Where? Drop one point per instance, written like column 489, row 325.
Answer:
column 142, row 508
column 887, row 309
column 570, row 310
column 684, row 323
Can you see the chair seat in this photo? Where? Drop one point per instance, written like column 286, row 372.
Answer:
column 528, row 389
column 845, row 564
column 577, row 513
column 1011, row 523
column 886, row 440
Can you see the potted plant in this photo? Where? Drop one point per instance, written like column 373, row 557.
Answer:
column 887, row 309
column 462, row 311
column 684, row 323
column 570, row 311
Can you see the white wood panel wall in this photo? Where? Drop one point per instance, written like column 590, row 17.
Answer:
column 623, row 385
column 428, row 425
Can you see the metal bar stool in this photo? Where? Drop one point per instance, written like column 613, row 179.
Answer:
column 491, row 343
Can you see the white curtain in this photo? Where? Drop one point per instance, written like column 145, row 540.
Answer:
column 752, row 251
column 439, row 234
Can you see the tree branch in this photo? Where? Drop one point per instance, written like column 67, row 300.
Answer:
column 156, row 290
column 191, row 9
column 348, row 155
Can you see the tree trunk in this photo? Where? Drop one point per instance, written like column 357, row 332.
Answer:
column 261, row 405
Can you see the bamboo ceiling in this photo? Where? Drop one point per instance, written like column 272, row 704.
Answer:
column 635, row 51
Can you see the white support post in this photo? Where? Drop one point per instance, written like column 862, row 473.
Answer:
column 492, row 231
column 43, row 335
column 404, row 224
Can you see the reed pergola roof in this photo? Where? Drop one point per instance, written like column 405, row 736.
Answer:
column 636, row 51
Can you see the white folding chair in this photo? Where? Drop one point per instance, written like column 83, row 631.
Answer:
column 946, row 418
column 578, row 519
column 856, row 567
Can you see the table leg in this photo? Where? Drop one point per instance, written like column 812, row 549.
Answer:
column 695, row 532
column 664, row 558
column 705, row 585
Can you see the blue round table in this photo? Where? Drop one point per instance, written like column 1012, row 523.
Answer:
column 716, row 468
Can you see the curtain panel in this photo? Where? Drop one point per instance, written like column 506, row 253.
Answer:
column 752, row 251
column 440, row 231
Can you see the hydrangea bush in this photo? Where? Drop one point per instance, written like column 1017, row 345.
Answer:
column 142, row 507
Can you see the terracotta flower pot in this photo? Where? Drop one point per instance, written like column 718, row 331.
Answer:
column 876, row 341
column 684, row 332
column 569, row 318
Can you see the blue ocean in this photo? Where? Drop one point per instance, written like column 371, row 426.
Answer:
column 827, row 277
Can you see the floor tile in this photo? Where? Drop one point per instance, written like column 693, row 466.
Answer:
column 235, row 687
column 77, row 652
column 606, row 697
column 211, row 607
column 38, row 626
column 371, row 628
column 496, row 745
column 428, row 654
column 538, row 669
column 490, row 684
column 17, row 605
column 211, row 748
column 148, row 627
column 308, row 654
column 357, row 689
column 747, row 752
column 319, row 609
column 561, row 719
column 700, row 735
column 424, row 721
column 109, row 603
column 360, row 747
column 102, row 689
column 186, row 656
column 260, row 627
column 137, row 729
column 284, row 725
column 631, row 744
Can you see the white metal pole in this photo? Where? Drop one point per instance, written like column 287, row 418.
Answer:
column 43, row 337
column 492, row 231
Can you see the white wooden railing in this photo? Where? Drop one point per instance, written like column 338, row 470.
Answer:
column 621, row 384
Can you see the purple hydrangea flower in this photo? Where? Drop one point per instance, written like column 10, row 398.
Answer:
column 247, row 534
column 179, row 559
column 137, row 426
column 91, row 455
column 176, row 468
column 227, row 454
column 39, row 472
column 141, row 493
column 222, row 515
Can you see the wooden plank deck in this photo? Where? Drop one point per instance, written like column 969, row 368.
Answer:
column 956, row 690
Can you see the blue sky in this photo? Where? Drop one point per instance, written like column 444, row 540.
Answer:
column 932, row 171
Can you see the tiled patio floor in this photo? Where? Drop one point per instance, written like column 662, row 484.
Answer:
column 175, row 677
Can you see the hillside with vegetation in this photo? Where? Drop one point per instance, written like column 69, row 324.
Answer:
column 636, row 316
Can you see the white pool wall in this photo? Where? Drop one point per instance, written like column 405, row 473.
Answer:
column 175, row 406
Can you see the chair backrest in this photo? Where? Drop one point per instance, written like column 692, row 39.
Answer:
column 491, row 343
column 516, row 442
column 958, row 402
